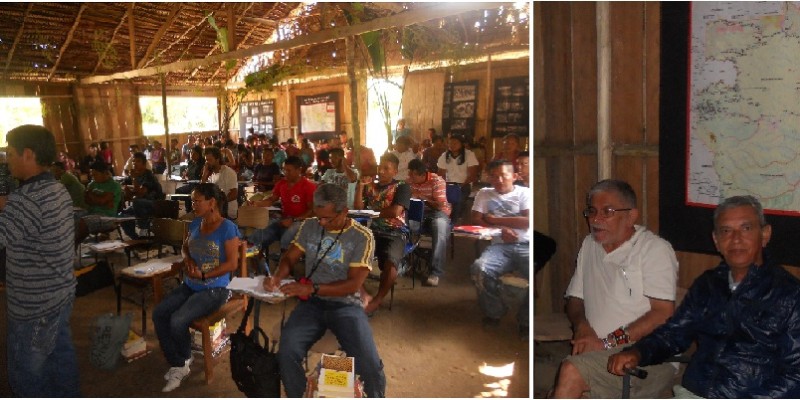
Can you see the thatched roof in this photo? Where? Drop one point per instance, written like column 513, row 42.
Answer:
column 66, row 42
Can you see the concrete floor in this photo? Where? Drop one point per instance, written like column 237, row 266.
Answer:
column 431, row 342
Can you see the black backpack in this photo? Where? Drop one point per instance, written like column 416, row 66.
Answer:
column 254, row 367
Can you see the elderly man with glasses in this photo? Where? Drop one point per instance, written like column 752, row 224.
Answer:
column 622, row 289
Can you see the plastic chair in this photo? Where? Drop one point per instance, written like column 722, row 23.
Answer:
column 453, row 194
column 414, row 217
column 235, row 305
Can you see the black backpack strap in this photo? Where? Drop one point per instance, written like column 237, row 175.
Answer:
column 246, row 316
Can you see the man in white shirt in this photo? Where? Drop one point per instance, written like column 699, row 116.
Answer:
column 402, row 150
column 224, row 177
column 128, row 167
column 340, row 175
column 507, row 207
column 622, row 289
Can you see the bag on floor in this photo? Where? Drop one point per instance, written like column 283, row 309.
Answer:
column 254, row 367
column 108, row 336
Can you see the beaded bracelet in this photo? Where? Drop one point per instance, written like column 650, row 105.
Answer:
column 618, row 337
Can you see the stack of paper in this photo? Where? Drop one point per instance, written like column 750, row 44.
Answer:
column 153, row 266
column 478, row 231
column 336, row 377
column 255, row 287
column 217, row 333
column 134, row 347
column 108, row 245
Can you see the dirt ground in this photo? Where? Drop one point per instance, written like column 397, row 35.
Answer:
column 431, row 342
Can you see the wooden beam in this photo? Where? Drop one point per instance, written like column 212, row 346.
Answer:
column 183, row 35
column 436, row 11
column 231, row 27
column 605, row 159
column 157, row 38
column 216, row 46
column 262, row 21
column 67, row 41
column 19, row 35
column 243, row 41
column 110, row 42
column 132, row 34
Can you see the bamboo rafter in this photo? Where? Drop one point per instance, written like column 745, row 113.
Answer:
column 67, row 41
column 157, row 38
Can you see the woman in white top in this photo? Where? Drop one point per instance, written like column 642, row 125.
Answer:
column 458, row 165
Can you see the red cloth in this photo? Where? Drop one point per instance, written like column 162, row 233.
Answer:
column 295, row 199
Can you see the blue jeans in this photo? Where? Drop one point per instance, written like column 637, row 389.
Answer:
column 274, row 232
column 41, row 356
column 439, row 229
column 308, row 323
column 496, row 260
column 175, row 313
column 142, row 209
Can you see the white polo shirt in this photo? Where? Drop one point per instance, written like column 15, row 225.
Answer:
column 615, row 286
column 226, row 180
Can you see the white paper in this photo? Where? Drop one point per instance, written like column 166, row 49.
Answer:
column 107, row 245
column 152, row 267
column 255, row 287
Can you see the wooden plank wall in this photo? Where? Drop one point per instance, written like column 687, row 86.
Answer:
column 423, row 97
column 109, row 113
column 565, row 118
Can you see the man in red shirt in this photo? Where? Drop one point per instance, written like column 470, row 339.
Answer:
column 296, row 194
column 432, row 189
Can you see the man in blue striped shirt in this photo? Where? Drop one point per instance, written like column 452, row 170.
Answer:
column 36, row 228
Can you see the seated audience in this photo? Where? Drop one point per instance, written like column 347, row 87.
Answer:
column 126, row 169
column 338, row 252
column 431, row 189
column 391, row 198
column 73, row 185
column 158, row 156
column 340, row 174
column 92, row 156
column 225, row 177
column 459, row 165
column 193, row 172
column 744, row 316
column 103, row 196
column 367, row 165
column 402, row 150
column 507, row 207
column 142, row 189
column 622, row 289
column 210, row 255
column 267, row 172
column 430, row 156
column 296, row 194
column 523, row 176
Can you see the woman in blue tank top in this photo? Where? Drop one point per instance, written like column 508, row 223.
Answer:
column 210, row 255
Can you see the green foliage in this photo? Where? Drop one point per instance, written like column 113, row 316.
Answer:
column 266, row 79
column 222, row 39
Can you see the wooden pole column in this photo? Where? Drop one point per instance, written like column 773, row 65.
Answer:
column 351, row 74
column 605, row 151
column 166, row 119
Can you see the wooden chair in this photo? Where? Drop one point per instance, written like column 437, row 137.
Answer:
column 236, row 304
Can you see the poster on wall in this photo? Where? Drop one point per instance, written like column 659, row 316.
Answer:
column 318, row 115
column 458, row 113
column 259, row 115
column 511, row 113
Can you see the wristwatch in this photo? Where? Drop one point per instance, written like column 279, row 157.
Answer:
column 316, row 289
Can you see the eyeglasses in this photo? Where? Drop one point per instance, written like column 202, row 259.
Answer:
column 605, row 212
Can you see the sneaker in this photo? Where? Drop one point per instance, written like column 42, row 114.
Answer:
column 186, row 364
column 175, row 376
column 432, row 281
column 489, row 322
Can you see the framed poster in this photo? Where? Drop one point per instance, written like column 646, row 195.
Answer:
column 458, row 113
column 723, row 122
column 318, row 115
column 511, row 113
column 259, row 115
